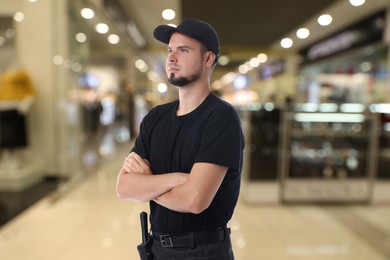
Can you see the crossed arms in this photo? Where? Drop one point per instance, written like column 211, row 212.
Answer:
column 177, row 191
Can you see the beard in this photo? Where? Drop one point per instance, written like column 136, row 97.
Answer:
column 184, row 81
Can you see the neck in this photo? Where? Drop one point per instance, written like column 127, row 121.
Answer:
column 191, row 97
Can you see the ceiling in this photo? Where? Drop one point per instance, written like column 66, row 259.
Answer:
column 246, row 28
column 253, row 23
column 254, row 26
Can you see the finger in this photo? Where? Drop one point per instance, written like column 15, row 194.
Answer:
column 131, row 164
column 136, row 157
column 144, row 164
column 134, row 163
column 137, row 166
column 126, row 167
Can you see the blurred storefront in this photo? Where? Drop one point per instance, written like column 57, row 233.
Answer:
column 318, row 131
column 82, row 100
column 31, row 44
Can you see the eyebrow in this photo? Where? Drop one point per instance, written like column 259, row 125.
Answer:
column 181, row 47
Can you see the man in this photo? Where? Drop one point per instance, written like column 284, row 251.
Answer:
column 187, row 159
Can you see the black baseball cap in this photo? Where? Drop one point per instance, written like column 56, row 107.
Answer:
column 194, row 28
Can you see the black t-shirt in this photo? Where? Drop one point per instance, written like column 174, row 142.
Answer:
column 211, row 133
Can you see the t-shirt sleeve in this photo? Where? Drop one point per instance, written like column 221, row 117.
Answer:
column 222, row 141
column 142, row 141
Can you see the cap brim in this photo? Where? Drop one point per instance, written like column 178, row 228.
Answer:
column 163, row 33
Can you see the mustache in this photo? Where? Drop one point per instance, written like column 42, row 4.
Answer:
column 173, row 66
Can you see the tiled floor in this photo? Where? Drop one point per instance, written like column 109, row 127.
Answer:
column 89, row 222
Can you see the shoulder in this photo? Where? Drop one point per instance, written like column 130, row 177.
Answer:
column 161, row 110
column 221, row 108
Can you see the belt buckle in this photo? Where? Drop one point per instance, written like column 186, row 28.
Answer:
column 166, row 241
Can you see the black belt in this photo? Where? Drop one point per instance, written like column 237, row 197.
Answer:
column 192, row 239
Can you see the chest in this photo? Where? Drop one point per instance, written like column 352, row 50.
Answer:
column 174, row 144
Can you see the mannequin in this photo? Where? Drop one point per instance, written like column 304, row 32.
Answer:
column 16, row 97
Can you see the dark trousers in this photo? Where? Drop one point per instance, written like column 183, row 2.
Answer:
column 214, row 251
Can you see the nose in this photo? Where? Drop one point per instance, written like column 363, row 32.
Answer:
column 171, row 57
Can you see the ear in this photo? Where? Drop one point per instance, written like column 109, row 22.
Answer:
column 210, row 58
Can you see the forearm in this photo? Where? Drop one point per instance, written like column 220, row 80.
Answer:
column 142, row 187
column 197, row 193
column 179, row 199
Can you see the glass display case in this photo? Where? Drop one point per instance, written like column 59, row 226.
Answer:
column 264, row 143
column 261, row 125
column 384, row 142
column 328, row 153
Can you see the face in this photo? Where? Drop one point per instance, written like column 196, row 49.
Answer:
column 185, row 61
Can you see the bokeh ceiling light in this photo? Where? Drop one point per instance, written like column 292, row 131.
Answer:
column 168, row 14
column 357, row 2
column 248, row 65
column 254, row 62
column 366, row 66
column 113, row 39
column 19, row 16
column 223, row 60
column 58, row 60
column 162, row 88
column 262, row 57
column 286, row 43
column 325, row 19
column 141, row 65
column 81, row 37
column 243, row 69
column 87, row 13
column 102, row 28
column 303, row 33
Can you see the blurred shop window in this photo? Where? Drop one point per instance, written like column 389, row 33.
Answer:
column 264, row 147
column 131, row 109
column 16, row 97
column 108, row 104
column 91, row 110
column 16, row 88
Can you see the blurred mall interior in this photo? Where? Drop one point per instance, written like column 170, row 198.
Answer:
column 78, row 76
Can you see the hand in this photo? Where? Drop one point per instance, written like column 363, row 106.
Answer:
column 135, row 163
